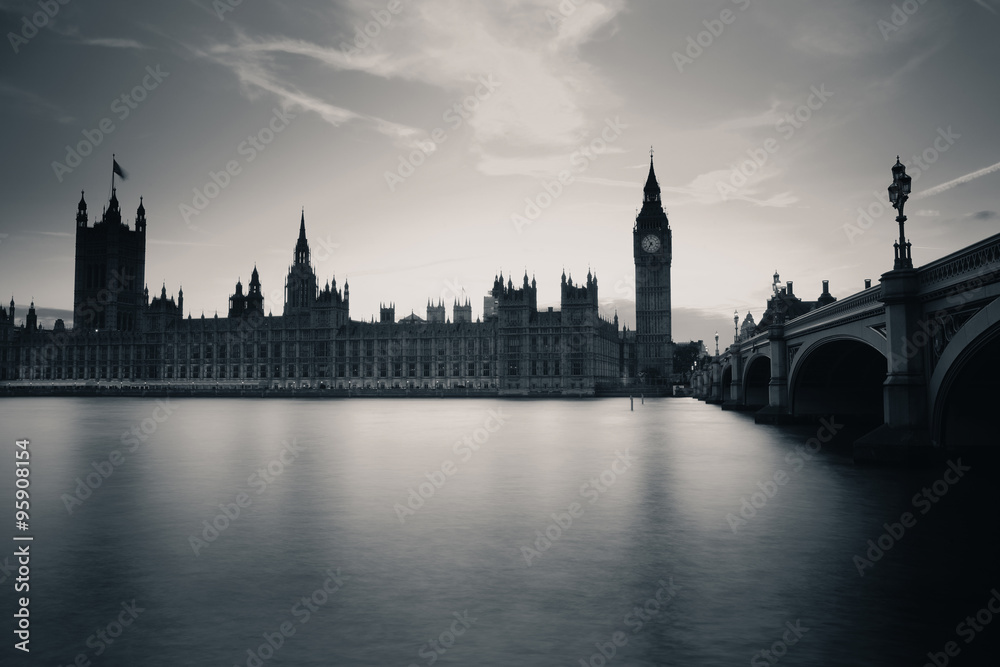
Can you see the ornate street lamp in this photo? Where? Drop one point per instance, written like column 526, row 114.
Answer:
column 736, row 326
column 899, row 192
column 716, row 343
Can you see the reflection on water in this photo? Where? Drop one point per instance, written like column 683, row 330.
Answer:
column 488, row 532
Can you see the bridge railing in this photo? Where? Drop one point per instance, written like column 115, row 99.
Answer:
column 869, row 299
column 977, row 259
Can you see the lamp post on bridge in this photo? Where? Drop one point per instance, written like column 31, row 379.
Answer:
column 899, row 192
column 736, row 326
column 905, row 432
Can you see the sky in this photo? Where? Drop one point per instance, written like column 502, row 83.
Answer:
column 424, row 142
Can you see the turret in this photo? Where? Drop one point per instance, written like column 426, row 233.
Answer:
column 81, row 212
column 140, row 218
column 31, row 321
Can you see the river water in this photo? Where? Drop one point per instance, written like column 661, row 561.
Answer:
column 484, row 532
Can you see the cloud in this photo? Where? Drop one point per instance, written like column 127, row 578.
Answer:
column 961, row 180
column 113, row 43
column 33, row 104
column 529, row 48
column 985, row 5
column 716, row 187
column 983, row 215
column 928, row 213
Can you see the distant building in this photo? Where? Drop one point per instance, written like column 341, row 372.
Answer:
column 122, row 337
column 783, row 304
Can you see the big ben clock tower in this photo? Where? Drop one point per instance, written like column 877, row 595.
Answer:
column 651, row 247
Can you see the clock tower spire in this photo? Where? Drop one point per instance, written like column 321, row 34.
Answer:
column 651, row 249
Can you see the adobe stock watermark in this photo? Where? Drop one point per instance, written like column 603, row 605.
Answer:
column 967, row 630
column 433, row 649
column 223, row 7
column 131, row 441
column 566, row 8
column 302, row 611
column 31, row 25
column 248, row 149
column 465, row 448
column 259, row 481
column 768, row 488
column 898, row 17
column 122, row 106
column 924, row 501
column 455, row 116
column 918, row 164
column 635, row 620
column 779, row 649
column 786, row 128
column 580, row 160
column 714, row 28
column 592, row 490
column 105, row 637
column 364, row 35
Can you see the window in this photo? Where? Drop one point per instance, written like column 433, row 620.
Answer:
column 472, row 369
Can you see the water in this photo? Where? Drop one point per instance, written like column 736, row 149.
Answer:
column 654, row 534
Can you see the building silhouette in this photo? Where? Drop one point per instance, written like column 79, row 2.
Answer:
column 652, row 251
column 123, row 338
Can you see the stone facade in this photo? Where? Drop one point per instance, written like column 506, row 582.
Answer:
column 122, row 338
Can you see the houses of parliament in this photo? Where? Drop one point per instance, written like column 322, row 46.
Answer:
column 121, row 338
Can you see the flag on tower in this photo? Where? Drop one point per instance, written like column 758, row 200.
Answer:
column 116, row 168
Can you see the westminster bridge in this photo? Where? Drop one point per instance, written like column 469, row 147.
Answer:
column 918, row 352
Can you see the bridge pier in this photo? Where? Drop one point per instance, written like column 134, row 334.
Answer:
column 734, row 392
column 905, row 435
column 776, row 411
column 715, row 390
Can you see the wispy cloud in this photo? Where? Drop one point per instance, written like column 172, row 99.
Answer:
column 985, row 5
column 33, row 104
column 710, row 188
column 961, row 180
column 113, row 43
column 541, row 103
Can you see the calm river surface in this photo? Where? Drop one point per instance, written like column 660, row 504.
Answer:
column 331, row 547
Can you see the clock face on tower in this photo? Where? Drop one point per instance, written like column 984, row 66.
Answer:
column 651, row 243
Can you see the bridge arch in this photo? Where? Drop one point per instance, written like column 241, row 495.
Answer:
column 842, row 375
column 756, row 378
column 963, row 387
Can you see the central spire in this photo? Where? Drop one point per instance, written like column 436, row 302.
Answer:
column 652, row 188
column 302, row 246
